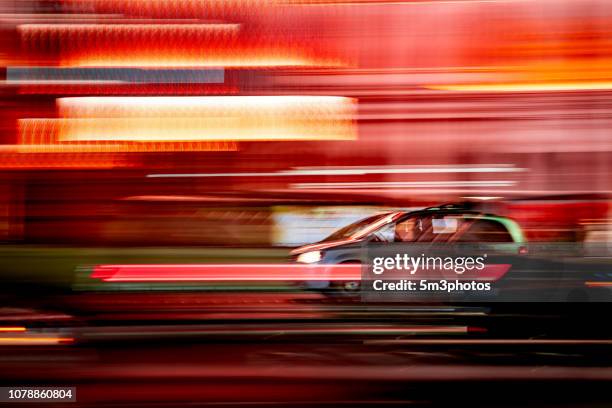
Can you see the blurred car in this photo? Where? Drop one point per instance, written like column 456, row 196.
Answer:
column 446, row 224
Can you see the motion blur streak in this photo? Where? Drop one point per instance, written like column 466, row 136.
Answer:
column 184, row 45
column 256, row 128
column 597, row 284
column 12, row 329
column 477, row 342
column 56, row 157
column 526, row 87
column 34, row 341
column 186, row 107
column 350, row 171
column 146, row 119
column 259, row 272
column 242, row 330
column 415, row 184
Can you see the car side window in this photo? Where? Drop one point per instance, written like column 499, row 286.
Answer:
column 424, row 229
column 486, row 231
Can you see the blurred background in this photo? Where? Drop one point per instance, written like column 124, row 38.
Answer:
column 228, row 123
column 230, row 131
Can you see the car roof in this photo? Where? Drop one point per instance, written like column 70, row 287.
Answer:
column 451, row 208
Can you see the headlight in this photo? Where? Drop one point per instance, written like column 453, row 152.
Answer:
column 309, row 257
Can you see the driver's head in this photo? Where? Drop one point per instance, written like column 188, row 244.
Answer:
column 404, row 231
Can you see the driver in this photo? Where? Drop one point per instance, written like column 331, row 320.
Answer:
column 405, row 231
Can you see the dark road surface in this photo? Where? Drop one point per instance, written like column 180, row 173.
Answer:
column 301, row 349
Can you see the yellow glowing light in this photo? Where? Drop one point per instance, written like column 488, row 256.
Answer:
column 12, row 329
column 190, row 119
column 26, row 341
column 209, row 129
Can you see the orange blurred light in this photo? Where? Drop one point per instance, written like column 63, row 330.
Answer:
column 162, row 45
column 29, row 341
column 526, row 87
column 57, row 159
column 181, row 130
column 12, row 329
column 43, row 136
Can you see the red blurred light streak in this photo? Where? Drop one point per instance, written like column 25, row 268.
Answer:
column 57, row 158
column 220, row 273
column 248, row 272
column 596, row 284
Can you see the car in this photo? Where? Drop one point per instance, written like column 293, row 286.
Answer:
column 445, row 224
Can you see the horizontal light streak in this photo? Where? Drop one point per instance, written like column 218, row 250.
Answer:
column 483, row 198
column 403, row 184
column 12, row 329
column 229, row 87
column 213, row 198
column 490, row 342
column 442, row 192
column 34, row 341
column 17, row 336
column 237, row 330
column 189, row 129
column 389, row 2
column 98, row 76
column 158, row 59
column 215, row 7
column 249, row 272
column 598, row 284
column 221, row 273
column 192, row 7
column 232, row 118
column 43, row 136
column 150, row 124
column 356, row 171
column 525, row 87
column 128, row 147
column 163, row 45
column 57, row 159
column 196, row 106
column 92, row 28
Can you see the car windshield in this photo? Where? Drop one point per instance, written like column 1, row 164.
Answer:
column 352, row 229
